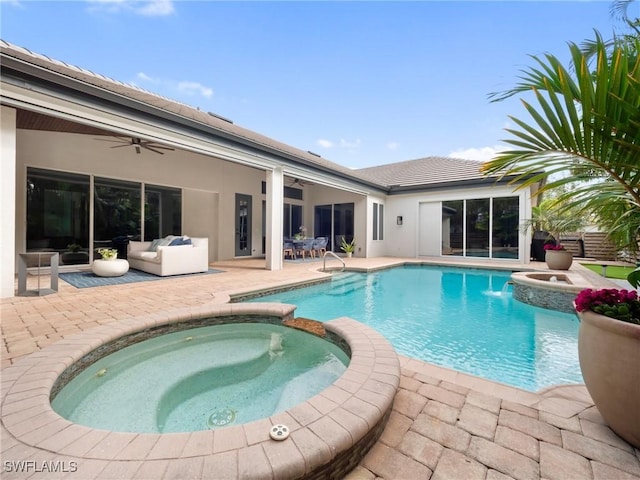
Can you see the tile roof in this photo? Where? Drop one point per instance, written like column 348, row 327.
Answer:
column 427, row 172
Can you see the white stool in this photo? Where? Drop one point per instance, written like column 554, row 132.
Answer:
column 110, row 268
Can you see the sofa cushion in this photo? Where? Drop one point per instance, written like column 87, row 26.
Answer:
column 143, row 255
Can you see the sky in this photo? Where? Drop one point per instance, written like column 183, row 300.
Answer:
column 359, row 83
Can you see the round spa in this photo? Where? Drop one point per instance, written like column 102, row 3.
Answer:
column 193, row 415
column 201, row 378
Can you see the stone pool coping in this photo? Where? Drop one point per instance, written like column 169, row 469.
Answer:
column 348, row 415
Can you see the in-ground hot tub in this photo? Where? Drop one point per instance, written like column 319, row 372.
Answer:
column 201, row 378
column 329, row 432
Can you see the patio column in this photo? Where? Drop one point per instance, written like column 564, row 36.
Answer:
column 7, row 201
column 275, row 200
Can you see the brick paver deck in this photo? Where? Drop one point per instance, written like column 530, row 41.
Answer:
column 444, row 424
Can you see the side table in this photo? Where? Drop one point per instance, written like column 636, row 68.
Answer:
column 41, row 257
column 110, row 268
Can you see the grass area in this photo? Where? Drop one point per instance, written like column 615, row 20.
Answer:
column 613, row 271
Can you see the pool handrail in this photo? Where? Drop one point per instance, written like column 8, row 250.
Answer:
column 324, row 260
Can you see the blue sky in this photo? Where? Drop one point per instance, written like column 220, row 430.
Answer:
column 360, row 83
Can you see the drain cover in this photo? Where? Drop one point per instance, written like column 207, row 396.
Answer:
column 221, row 417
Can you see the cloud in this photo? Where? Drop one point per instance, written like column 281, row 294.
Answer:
column 144, row 77
column 392, row 145
column 184, row 87
column 325, row 143
column 195, row 88
column 481, row 154
column 149, row 8
column 349, row 145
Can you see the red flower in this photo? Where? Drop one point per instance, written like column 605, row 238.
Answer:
column 620, row 304
column 551, row 246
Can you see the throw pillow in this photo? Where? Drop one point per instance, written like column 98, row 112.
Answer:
column 154, row 245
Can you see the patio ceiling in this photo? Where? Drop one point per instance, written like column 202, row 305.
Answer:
column 27, row 120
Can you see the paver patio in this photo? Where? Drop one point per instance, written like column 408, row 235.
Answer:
column 444, row 424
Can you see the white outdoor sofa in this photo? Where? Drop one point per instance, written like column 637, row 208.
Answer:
column 170, row 260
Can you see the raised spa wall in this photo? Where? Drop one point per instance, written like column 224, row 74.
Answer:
column 330, row 432
column 552, row 290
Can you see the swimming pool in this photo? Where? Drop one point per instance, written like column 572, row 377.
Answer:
column 463, row 319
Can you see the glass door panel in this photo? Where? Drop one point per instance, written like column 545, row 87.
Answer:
column 58, row 214
column 116, row 208
column 162, row 212
column 243, row 225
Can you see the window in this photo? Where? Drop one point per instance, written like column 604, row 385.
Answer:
column 378, row 221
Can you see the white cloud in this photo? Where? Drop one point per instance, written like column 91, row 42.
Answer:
column 184, row 87
column 144, row 77
column 392, row 145
column 195, row 88
column 349, row 144
column 481, row 154
column 148, row 8
column 157, row 8
column 325, row 143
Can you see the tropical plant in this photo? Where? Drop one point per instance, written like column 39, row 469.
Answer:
column 549, row 216
column 348, row 247
column 584, row 133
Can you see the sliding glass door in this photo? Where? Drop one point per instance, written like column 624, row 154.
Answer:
column 483, row 227
column 59, row 213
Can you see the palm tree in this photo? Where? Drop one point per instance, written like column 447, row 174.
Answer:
column 584, row 134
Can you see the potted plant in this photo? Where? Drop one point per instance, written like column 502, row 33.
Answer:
column 554, row 220
column 108, row 253
column 609, row 353
column 557, row 257
column 348, row 247
column 302, row 233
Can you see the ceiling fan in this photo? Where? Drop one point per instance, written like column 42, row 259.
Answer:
column 137, row 143
column 298, row 182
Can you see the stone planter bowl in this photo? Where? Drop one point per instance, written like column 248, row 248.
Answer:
column 609, row 352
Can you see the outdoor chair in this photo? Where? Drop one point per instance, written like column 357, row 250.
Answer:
column 305, row 248
column 289, row 249
column 320, row 245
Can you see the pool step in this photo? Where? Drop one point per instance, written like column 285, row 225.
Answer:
column 348, row 283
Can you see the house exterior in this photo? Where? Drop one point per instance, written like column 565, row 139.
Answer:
column 87, row 161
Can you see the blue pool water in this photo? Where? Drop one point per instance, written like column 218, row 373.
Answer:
column 463, row 319
column 202, row 378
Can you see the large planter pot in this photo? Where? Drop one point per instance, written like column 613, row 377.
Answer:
column 558, row 259
column 609, row 352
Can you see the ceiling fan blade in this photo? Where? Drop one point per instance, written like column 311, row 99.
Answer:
column 158, row 146
column 120, row 146
column 153, row 149
column 113, row 140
